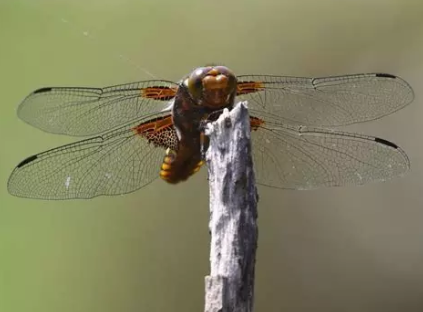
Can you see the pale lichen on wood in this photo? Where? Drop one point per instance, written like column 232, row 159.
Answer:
column 233, row 213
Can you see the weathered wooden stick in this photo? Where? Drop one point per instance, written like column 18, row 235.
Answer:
column 233, row 213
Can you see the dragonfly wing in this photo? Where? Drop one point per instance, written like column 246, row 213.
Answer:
column 326, row 101
column 89, row 111
column 117, row 162
column 307, row 158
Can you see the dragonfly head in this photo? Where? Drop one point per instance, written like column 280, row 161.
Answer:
column 212, row 86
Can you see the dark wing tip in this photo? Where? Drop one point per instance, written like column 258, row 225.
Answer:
column 385, row 142
column 12, row 184
column 384, row 75
column 401, row 81
column 42, row 90
column 27, row 161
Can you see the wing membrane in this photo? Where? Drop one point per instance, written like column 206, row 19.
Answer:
column 307, row 158
column 90, row 111
column 117, row 162
column 326, row 101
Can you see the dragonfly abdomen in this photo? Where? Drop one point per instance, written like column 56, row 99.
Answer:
column 179, row 166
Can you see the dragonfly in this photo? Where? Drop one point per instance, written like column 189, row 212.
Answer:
column 137, row 132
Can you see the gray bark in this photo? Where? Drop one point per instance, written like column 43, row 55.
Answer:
column 233, row 213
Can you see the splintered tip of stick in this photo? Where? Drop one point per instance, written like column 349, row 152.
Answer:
column 225, row 119
column 228, row 155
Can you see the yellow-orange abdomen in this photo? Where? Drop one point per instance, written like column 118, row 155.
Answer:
column 177, row 167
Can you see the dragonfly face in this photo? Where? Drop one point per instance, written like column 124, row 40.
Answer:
column 213, row 87
column 146, row 129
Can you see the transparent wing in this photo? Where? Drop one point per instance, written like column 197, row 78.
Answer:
column 117, row 162
column 327, row 101
column 90, row 111
column 307, row 158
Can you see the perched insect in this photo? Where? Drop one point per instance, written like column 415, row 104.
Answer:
column 147, row 129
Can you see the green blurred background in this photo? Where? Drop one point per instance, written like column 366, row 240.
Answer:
column 350, row 249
